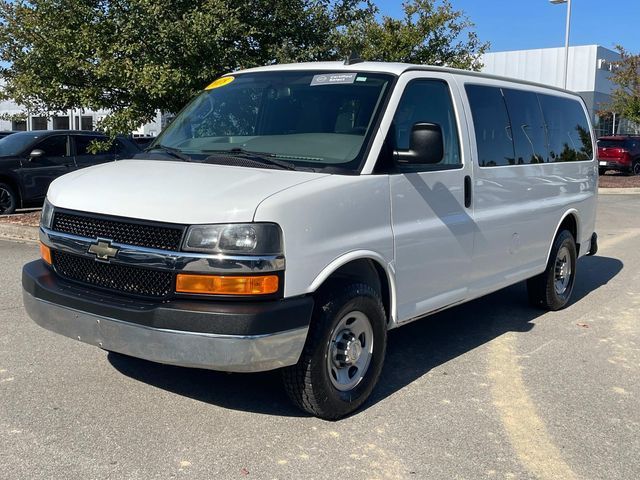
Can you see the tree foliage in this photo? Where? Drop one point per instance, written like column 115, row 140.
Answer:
column 133, row 57
column 626, row 96
column 429, row 33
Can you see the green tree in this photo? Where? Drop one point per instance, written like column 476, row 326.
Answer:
column 429, row 33
column 133, row 57
column 626, row 95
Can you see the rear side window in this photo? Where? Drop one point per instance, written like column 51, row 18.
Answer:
column 428, row 101
column 527, row 126
column 83, row 142
column 515, row 127
column 492, row 126
column 568, row 131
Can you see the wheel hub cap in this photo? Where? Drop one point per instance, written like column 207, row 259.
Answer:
column 562, row 271
column 351, row 348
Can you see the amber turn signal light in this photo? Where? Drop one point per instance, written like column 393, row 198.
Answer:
column 225, row 285
column 45, row 253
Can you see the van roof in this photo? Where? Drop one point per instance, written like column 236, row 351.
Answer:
column 394, row 68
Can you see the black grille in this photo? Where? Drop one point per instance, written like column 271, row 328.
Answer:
column 139, row 234
column 111, row 276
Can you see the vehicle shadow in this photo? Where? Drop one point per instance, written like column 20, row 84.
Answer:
column 413, row 350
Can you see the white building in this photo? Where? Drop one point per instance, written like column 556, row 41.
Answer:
column 76, row 119
column 588, row 73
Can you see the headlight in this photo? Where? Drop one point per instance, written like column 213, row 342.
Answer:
column 238, row 238
column 46, row 216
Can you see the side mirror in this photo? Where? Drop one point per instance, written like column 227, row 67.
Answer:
column 37, row 153
column 426, row 145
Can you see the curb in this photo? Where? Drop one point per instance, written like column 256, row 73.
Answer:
column 22, row 233
column 619, row 191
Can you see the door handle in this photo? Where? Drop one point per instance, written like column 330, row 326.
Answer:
column 467, row 191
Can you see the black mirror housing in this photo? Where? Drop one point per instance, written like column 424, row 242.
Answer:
column 426, row 145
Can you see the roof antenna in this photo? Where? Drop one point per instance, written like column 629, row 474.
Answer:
column 354, row 57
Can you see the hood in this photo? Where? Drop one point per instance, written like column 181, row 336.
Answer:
column 175, row 192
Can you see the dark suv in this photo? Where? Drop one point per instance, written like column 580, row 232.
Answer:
column 619, row 152
column 30, row 161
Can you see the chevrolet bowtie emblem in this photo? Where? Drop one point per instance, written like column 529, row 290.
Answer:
column 103, row 250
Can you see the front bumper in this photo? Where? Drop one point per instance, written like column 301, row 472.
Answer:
column 226, row 336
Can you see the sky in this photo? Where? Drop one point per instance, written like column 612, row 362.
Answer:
column 526, row 24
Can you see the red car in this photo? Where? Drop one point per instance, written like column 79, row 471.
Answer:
column 619, row 152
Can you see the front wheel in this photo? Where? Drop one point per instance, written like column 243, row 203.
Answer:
column 635, row 168
column 342, row 359
column 8, row 199
column 552, row 289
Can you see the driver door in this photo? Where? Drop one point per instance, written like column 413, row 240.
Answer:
column 433, row 228
column 38, row 172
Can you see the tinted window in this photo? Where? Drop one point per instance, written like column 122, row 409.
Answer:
column 55, row 146
column 567, row 129
column 83, row 142
column 428, row 101
column 491, row 125
column 611, row 144
column 527, row 126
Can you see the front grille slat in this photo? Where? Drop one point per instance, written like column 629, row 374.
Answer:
column 113, row 276
column 137, row 234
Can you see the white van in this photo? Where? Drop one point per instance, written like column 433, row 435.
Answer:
column 291, row 215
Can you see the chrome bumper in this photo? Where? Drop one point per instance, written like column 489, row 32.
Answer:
column 231, row 353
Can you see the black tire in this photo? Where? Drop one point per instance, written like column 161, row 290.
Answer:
column 542, row 289
column 8, row 199
column 309, row 383
column 635, row 167
column 602, row 171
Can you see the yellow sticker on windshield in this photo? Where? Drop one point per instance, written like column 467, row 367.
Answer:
column 221, row 82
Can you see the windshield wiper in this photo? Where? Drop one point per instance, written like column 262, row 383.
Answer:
column 261, row 157
column 174, row 152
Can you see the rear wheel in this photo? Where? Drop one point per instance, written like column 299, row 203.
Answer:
column 601, row 171
column 552, row 289
column 8, row 199
column 635, row 168
column 342, row 359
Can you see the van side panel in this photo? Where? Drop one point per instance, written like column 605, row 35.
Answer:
column 518, row 207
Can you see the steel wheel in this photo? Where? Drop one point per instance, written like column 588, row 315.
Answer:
column 350, row 351
column 562, row 270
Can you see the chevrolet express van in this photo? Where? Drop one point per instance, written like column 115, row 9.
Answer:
column 292, row 215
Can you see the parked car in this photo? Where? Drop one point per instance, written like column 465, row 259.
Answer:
column 30, row 161
column 619, row 152
column 297, row 213
column 142, row 141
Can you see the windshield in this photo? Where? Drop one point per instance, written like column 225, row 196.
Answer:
column 309, row 119
column 13, row 145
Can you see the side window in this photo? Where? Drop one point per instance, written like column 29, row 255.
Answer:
column 428, row 101
column 567, row 129
column 527, row 126
column 55, row 146
column 84, row 141
column 491, row 125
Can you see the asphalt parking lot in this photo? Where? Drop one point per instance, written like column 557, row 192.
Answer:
column 491, row 389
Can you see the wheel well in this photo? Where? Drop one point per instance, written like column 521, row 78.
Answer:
column 9, row 181
column 570, row 223
column 367, row 271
